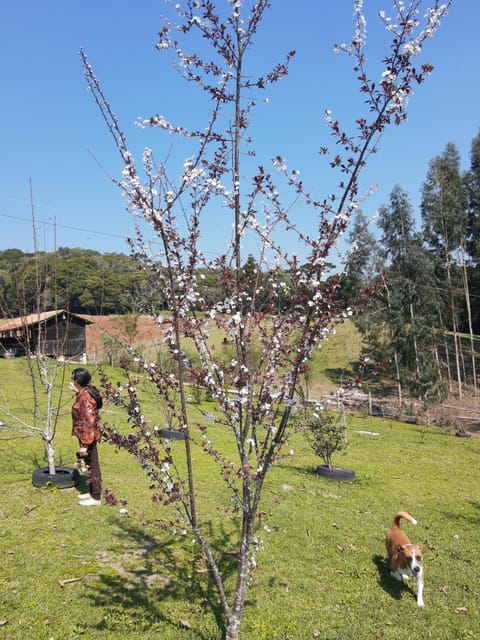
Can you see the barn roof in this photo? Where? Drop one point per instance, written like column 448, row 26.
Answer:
column 9, row 324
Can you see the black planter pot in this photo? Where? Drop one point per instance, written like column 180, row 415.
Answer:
column 335, row 473
column 63, row 478
column 171, row 434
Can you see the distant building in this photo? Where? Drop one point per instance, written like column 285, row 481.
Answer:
column 59, row 334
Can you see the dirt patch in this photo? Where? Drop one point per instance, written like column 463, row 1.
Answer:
column 147, row 332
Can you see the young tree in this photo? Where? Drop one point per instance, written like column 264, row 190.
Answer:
column 44, row 375
column 44, row 379
column 255, row 391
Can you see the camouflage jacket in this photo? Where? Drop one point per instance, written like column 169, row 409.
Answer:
column 85, row 418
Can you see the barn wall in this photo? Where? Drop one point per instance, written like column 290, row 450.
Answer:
column 55, row 337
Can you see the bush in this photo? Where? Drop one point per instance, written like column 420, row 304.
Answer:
column 327, row 434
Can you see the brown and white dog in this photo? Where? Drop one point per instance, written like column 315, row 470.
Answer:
column 405, row 558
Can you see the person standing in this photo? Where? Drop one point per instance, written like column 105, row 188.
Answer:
column 86, row 427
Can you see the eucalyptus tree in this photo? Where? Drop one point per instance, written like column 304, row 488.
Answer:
column 255, row 392
column 444, row 215
column 360, row 286
column 412, row 299
column 473, row 187
column 471, row 277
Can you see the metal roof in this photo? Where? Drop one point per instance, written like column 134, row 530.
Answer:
column 10, row 324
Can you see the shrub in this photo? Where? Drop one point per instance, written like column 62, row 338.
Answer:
column 327, row 434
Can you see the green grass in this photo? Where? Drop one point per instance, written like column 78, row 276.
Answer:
column 337, row 360
column 321, row 563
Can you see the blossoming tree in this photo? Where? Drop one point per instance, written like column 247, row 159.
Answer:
column 254, row 379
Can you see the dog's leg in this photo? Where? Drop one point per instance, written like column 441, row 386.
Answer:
column 420, row 592
column 397, row 575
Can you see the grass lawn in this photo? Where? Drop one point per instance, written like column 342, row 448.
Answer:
column 98, row 573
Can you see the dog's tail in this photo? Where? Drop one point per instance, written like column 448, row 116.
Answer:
column 406, row 516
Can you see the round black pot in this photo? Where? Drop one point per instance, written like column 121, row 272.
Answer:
column 63, row 478
column 171, row 434
column 335, row 473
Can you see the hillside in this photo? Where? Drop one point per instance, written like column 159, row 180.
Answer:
column 334, row 367
column 148, row 332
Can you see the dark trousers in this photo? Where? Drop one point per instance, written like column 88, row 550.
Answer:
column 94, row 481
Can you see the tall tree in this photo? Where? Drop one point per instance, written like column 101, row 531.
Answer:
column 408, row 304
column 256, row 390
column 444, row 214
column 473, row 187
column 471, row 276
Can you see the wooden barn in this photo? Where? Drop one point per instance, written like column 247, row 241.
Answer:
column 53, row 333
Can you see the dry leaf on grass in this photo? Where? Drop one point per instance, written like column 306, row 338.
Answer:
column 62, row 583
column 461, row 610
column 30, row 507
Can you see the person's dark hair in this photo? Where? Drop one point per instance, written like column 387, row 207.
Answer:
column 95, row 393
column 82, row 376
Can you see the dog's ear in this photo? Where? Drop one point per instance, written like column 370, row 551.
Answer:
column 401, row 548
column 420, row 546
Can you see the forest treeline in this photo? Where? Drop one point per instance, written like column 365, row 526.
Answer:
column 81, row 280
column 89, row 282
column 414, row 281
column 420, row 316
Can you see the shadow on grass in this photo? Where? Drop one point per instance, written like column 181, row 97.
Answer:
column 476, row 505
column 389, row 584
column 459, row 518
column 342, row 376
column 143, row 573
column 40, row 460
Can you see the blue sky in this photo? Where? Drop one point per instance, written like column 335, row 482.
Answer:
column 52, row 134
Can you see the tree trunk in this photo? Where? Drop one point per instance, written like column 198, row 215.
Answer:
column 415, row 344
column 234, row 618
column 399, row 383
column 470, row 325
column 447, row 354
column 395, row 356
column 48, row 428
column 437, row 362
column 454, row 328
column 50, row 451
column 233, row 626
column 456, row 343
